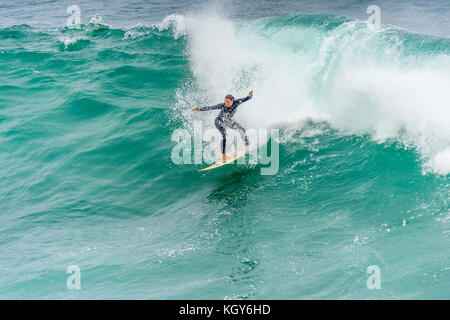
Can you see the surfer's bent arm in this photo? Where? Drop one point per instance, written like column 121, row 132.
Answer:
column 214, row 107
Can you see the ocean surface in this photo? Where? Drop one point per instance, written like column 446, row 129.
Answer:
column 87, row 177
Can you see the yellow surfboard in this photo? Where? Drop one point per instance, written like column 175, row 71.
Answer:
column 219, row 164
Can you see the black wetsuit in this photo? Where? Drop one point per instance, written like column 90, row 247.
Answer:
column 224, row 120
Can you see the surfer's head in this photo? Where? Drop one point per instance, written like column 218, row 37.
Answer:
column 229, row 99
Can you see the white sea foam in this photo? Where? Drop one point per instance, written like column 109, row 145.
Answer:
column 98, row 21
column 69, row 41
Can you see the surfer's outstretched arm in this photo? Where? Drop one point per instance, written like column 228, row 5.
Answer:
column 250, row 95
column 214, row 107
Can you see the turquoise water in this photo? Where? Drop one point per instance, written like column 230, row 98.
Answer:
column 87, row 179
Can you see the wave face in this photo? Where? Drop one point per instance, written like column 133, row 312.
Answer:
column 85, row 127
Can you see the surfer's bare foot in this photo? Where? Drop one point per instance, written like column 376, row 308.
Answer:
column 224, row 157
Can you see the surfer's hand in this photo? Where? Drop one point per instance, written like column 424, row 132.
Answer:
column 196, row 109
column 250, row 93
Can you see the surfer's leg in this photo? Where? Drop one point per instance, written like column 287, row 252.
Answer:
column 234, row 125
column 221, row 128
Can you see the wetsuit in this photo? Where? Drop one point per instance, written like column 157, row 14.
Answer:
column 223, row 120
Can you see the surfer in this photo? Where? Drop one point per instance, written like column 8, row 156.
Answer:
column 224, row 119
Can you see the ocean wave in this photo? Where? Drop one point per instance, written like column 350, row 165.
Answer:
column 387, row 83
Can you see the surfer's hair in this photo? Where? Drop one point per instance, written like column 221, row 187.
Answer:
column 229, row 96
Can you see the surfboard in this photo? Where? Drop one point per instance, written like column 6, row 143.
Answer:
column 221, row 163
